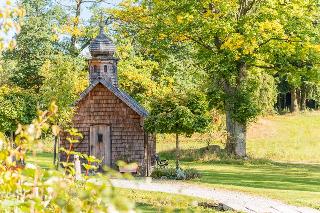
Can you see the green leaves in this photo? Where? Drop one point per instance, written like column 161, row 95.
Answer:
column 229, row 39
column 16, row 106
column 179, row 113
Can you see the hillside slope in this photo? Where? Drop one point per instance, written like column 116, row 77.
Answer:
column 287, row 138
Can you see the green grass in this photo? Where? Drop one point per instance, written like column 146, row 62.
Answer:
column 284, row 152
column 145, row 201
column 292, row 183
column 163, row 202
column 288, row 138
column 43, row 159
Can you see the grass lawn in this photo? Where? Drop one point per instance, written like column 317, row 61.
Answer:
column 293, row 140
column 43, row 159
column 286, row 138
column 164, row 202
column 292, row 183
column 145, row 201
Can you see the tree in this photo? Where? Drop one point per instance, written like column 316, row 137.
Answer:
column 34, row 44
column 135, row 73
column 297, row 65
column 78, row 31
column 65, row 78
column 16, row 106
column 230, row 38
column 179, row 113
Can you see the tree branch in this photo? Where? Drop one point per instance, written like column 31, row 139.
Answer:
column 201, row 43
column 279, row 39
column 262, row 67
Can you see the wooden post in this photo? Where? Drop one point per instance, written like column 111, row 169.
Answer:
column 146, row 153
column 77, row 167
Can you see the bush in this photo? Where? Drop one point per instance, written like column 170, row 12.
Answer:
column 192, row 174
column 166, row 173
column 173, row 174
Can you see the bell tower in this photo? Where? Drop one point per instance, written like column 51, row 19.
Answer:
column 103, row 64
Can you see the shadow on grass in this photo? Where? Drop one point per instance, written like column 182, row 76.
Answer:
column 254, row 173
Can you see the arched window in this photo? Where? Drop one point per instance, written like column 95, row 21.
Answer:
column 105, row 68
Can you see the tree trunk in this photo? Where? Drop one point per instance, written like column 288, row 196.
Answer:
column 76, row 25
column 177, row 152
column 236, row 141
column 294, row 101
column 55, row 150
column 279, row 102
column 303, row 104
column 298, row 93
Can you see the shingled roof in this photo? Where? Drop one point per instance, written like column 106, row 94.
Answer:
column 122, row 95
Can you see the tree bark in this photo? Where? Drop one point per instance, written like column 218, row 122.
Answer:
column 303, row 105
column 177, row 152
column 298, row 93
column 236, row 140
column 279, row 102
column 294, row 101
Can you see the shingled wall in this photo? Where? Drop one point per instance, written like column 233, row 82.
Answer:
column 128, row 139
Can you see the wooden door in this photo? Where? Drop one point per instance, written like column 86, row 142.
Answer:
column 100, row 143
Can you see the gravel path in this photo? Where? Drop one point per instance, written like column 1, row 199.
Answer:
column 234, row 200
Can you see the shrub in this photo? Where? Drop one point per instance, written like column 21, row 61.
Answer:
column 173, row 174
column 192, row 174
column 164, row 173
column 30, row 188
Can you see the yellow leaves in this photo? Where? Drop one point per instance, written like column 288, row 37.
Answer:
column 162, row 36
column 72, row 27
column 250, row 47
column 317, row 48
column 180, row 38
column 268, row 27
column 8, row 16
column 12, row 44
column 188, row 18
column 179, row 19
column 234, row 42
column 54, row 37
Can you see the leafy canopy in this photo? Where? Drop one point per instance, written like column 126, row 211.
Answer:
column 230, row 38
column 179, row 113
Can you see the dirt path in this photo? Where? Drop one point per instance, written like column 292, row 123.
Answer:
column 235, row 200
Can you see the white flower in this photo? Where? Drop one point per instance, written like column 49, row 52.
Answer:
column 1, row 144
column 52, row 180
column 30, row 166
column 31, row 129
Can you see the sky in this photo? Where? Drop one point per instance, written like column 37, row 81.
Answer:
column 85, row 13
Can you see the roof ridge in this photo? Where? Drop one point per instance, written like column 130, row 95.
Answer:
column 122, row 95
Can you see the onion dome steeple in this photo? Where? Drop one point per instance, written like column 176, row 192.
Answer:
column 102, row 45
column 103, row 64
